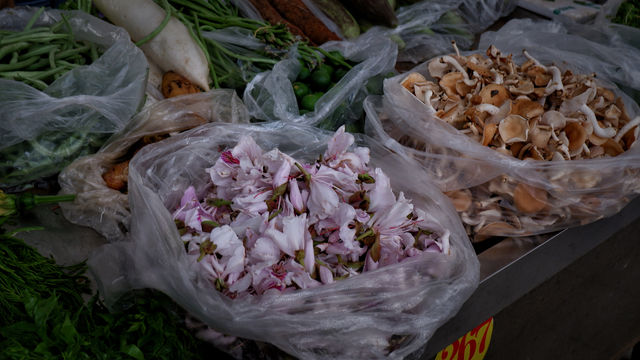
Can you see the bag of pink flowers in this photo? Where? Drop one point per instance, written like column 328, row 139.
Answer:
column 322, row 244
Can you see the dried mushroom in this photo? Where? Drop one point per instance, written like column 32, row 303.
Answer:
column 531, row 112
column 541, row 112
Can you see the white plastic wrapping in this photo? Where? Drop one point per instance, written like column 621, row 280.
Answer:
column 270, row 97
column 584, row 49
column 628, row 34
column 351, row 318
column 107, row 210
column 425, row 29
column 49, row 128
column 575, row 192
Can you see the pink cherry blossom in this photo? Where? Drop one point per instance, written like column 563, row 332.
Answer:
column 278, row 224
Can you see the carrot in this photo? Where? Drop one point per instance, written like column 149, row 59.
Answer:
column 296, row 12
column 271, row 15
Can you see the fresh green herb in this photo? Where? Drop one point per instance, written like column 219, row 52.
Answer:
column 24, row 274
column 43, row 315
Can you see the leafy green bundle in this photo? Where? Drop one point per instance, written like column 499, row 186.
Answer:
column 43, row 315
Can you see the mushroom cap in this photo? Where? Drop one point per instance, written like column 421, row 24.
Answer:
column 437, row 68
column 555, row 119
column 539, row 76
column 527, row 108
column 529, row 199
column 612, row 114
column 463, row 89
column 523, row 87
column 498, row 228
column 420, row 90
column 494, row 94
column 448, row 83
column 488, row 133
column 513, row 128
column 576, row 134
column 612, row 148
column 454, row 116
column 479, row 64
column 410, row 80
column 539, row 134
column 461, row 199
column 533, row 154
column 478, row 117
column 606, row 93
column 596, row 151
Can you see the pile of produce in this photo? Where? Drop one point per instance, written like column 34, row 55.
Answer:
column 40, row 55
column 530, row 111
column 311, row 84
column 526, row 115
column 212, row 46
column 309, row 19
column 305, row 224
column 256, row 243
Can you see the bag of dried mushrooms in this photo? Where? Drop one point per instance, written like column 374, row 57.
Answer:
column 524, row 141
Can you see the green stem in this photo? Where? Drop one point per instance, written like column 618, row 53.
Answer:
column 156, row 31
column 365, row 234
column 329, row 56
column 34, row 18
column 51, row 199
column 241, row 57
column 307, row 176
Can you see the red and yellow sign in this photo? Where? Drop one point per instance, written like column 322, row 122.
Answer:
column 471, row 346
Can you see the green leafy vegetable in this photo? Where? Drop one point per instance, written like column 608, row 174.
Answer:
column 43, row 315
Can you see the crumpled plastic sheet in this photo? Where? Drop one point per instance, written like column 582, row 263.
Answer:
column 42, row 131
column 107, row 210
column 427, row 28
column 351, row 318
column 270, row 97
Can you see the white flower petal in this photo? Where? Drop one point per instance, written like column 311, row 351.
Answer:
column 265, row 251
column 338, row 144
column 381, row 196
column 326, row 276
column 323, row 200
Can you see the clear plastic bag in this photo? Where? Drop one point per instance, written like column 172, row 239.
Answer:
column 42, row 131
column 270, row 96
column 427, row 28
column 486, row 185
column 352, row 318
column 584, row 49
column 107, row 210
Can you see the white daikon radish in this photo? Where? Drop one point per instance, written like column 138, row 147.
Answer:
column 171, row 49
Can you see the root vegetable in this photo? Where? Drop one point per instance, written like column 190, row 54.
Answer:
column 174, row 84
column 270, row 14
column 296, row 12
column 173, row 48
